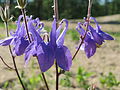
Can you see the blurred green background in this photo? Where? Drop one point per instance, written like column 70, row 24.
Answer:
column 70, row 9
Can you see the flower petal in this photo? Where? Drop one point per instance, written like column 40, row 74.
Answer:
column 18, row 22
column 58, row 30
column 63, row 58
column 30, row 51
column 80, row 29
column 6, row 41
column 90, row 47
column 35, row 34
column 53, row 33
column 45, row 54
column 106, row 36
column 99, row 39
column 60, row 39
column 42, row 26
column 21, row 45
column 22, row 31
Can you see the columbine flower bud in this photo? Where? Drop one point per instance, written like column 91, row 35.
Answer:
column 21, row 4
column 4, row 14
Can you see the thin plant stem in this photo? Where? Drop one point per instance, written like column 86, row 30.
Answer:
column 82, row 41
column 43, row 76
column 7, row 33
column 45, row 81
column 6, row 63
column 57, row 77
column 25, row 21
column 56, row 10
column 88, row 21
column 18, row 73
column 24, row 15
column 57, row 17
column 13, row 58
column 82, row 38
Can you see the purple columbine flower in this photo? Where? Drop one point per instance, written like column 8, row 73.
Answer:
column 94, row 37
column 17, row 39
column 104, row 35
column 89, row 45
column 48, row 52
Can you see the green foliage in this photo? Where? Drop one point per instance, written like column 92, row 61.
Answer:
column 74, row 34
column 48, row 29
column 2, row 36
column 109, row 80
column 6, row 84
column 65, row 81
column 82, row 78
column 2, row 25
column 69, row 74
column 32, row 82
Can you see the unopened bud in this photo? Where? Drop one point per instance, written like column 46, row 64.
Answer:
column 21, row 4
column 4, row 13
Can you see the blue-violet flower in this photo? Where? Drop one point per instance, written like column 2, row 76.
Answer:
column 94, row 37
column 47, row 52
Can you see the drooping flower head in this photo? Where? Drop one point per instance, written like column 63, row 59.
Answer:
column 48, row 52
column 94, row 37
column 18, row 39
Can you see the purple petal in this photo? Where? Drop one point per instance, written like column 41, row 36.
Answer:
column 30, row 51
column 105, row 36
column 45, row 56
column 58, row 30
column 53, row 33
column 60, row 39
column 42, row 26
column 80, row 29
column 35, row 34
column 63, row 58
column 97, row 25
column 37, row 24
column 6, row 41
column 18, row 23
column 90, row 48
column 94, row 20
column 22, row 31
column 99, row 40
column 20, row 46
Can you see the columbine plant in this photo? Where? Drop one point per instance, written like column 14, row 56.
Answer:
column 95, row 37
column 27, row 40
